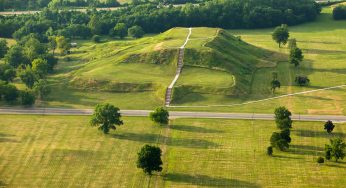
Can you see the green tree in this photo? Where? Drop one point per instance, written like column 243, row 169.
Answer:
column 120, row 30
column 136, row 31
column 329, row 126
column 283, row 118
column 52, row 43
column 16, row 57
column 296, row 56
column 63, row 44
column 9, row 92
column 40, row 67
column 336, row 149
column 3, row 48
column 270, row 151
column 34, row 48
column 278, row 142
column 160, row 116
column 42, row 89
column 7, row 72
column 275, row 83
column 28, row 98
column 96, row 38
column 28, row 77
column 106, row 117
column 281, row 35
column 149, row 159
column 302, row 80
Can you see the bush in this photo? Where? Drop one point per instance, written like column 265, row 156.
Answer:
column 302, row 80
column 339, row 12
column 28, row 98
column 8, row 92
column 320, row 160
column 96, row 38
column 136, row 31
column 270, row 151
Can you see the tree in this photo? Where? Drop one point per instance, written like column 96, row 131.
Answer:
column 278, row 142
column 34, row 48
column 96, row 38
column 52, row 44
column 270, row 151
column 339, row 12
column 9, row 92
column 329, row 126
column 336, row 149
column 160, row 116
column 281, row 35
column 40, row 67
column 28, row 98
column 136, row 31
column 41, row 88
column 149, row 159
column 3, row 48
column 120, row 30
column 7, row 72
column 275, row 82
column 302, row 80
column 15, row 56
column 63, row 44
column 320, row 160
column 283, row 118
column 106, row 117
column 27, row 76
column 296, row 56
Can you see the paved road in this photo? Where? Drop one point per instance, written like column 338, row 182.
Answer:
column 173, row 114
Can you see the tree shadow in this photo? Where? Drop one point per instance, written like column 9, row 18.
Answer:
column 285, row 157
column 188, row 128
column 336, row 166
column 7, row 138
column 203, row 180
column 179, row 142
column 306, row 150
column 320, row 51
column 311, row 133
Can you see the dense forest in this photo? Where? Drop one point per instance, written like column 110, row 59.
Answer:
column 228, row 14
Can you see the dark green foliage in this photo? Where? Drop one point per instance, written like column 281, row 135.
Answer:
column 42, row 89
column 7, row 72
column 15, row 56
column 8, row 92
column 336, row 149
column 3, row 48
column 329, row 126
column 302, row 80
column 339, row 12
column 106, row 117
column 270, row 151
column 120, row 30
column 296, row 56
column 28, row 76
column 281, row 35
column 283, row 118
column 160, row 116
column 96, row 38
column 28, row 98
column 136, row 31
column 149, row 159
column 33, row 48
column 278, row 142
column 40, row 67
column 275, row 84
column 320, row 160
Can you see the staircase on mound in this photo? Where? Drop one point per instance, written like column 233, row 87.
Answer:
column 168, row 97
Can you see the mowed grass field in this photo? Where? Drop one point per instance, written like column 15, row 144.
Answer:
column 323, row 43
column 63, row 151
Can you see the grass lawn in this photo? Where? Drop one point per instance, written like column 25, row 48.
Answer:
column 63, row 151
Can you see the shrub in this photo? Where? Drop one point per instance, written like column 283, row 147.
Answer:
column 320, row 160
column 96, row 38
column 302, row 80
column 270, row 151
column 339, row 12
column 28, row 98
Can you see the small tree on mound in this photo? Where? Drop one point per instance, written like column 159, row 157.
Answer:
column 296, row 56
column 283, row 118
column 160, row 116
column 336, row 149
column 275, row 82
column 106, row 117
column 149, row 159
column 281, row 35
column 329, row 126
column 302, row 80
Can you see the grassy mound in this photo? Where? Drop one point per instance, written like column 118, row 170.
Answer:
column 227, row 58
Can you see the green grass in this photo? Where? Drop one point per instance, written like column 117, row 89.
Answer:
column 63, row 151
column 323, row 43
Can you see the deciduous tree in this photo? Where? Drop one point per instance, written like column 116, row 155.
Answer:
column 106, row 117
column 149, row 159
column 281, row 35
column 336, row 149
column 160, row 116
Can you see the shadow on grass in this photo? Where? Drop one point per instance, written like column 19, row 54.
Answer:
column 188, row 128
column 322, row 134
column 203, row 180
column 336, row 166
column 179, row 142
column 306, row 150
column 285, row 157
column 7, row 138
column 2, row 184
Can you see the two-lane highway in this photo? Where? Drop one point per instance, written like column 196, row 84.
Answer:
column 173, row 114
